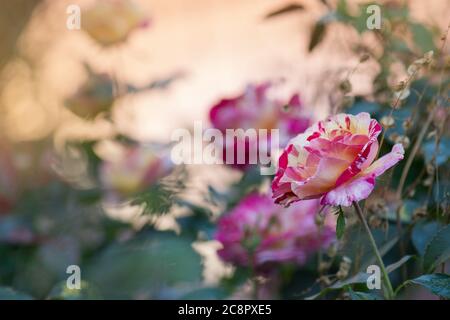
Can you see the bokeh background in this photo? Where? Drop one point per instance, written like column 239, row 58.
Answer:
column 208, row 49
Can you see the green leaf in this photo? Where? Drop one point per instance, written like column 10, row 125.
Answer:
column 360, row 21
column 441, row 155
column 437, row 283
column 143, row 267
column 340, row 224
column 399, row 45
column 356, row 295
column 423, row 38
column 285, row 9
column 86, row 292
column 10, row 294
column 158, row 200
column 394, row 266
column 360, row 277
column 356, row 244
column 422, row 233
column 208, row 293
column 342, row 10
column 197, row 224
column 317, row 34
column 397, row 13
column 437, row 250
column 160, row 197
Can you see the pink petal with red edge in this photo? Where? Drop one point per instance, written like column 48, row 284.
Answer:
column 356, row 166
column 355, row 190
column 361, row 186
column 387, row 161
column 365, row 157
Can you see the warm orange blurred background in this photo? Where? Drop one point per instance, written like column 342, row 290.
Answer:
column 218, row 46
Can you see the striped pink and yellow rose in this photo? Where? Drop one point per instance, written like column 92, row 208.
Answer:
column 333, row 160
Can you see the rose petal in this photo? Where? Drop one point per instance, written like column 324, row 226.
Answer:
column 355, row 190
column 361, row 186
column 357, row 165
column 387, row 161
column 325, row 177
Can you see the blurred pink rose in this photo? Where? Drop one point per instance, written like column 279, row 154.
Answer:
column 253, row 109
column 134, row 170
column 259, row 232
column 111, row 21
column 333, row 160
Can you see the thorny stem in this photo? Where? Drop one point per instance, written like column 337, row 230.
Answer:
column 389, row 292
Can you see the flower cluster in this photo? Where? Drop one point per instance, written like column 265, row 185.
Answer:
column 259, row 233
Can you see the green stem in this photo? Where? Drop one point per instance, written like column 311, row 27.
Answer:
column 389, row 292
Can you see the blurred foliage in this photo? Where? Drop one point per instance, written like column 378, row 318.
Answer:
column 145, row 267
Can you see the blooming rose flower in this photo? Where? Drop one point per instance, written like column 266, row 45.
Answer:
column 259, row 232
column 134, row 169
column 333, row 160
column 111, row 21
column 253, row 109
